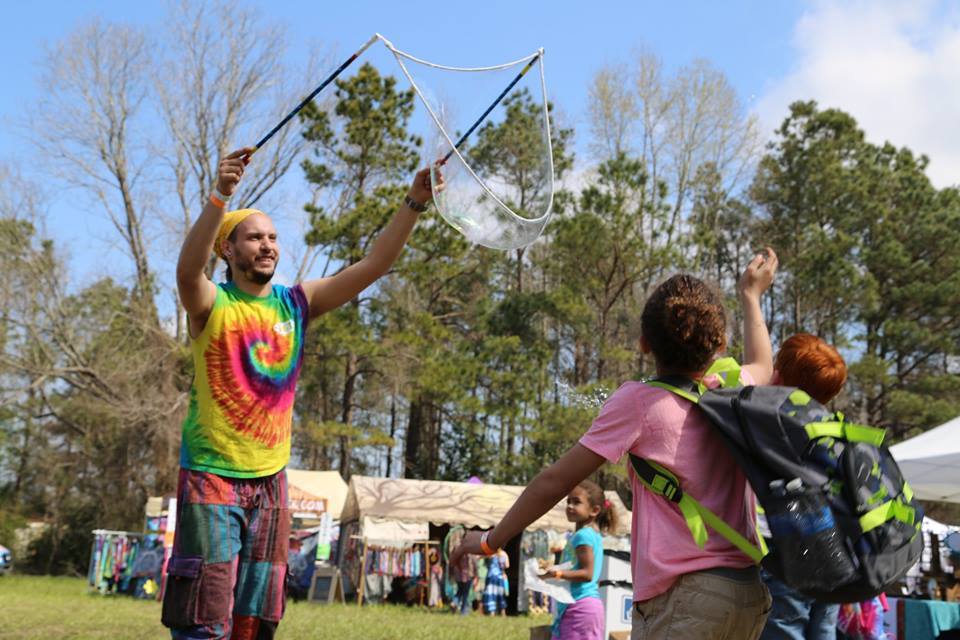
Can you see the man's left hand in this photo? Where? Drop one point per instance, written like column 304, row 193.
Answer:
column 421, row 191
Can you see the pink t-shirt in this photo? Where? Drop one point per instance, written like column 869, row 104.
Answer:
column 660, row 426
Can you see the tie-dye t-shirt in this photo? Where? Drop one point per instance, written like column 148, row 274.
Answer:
column 247, row 360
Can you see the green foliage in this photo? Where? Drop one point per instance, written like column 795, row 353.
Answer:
column 359, row 159
column 88, row 415
column 811, row 191
column 63, row 549
column 513, row 153
column 10, row 521
column 870, row 251
column 602, row 251
column 479, row 363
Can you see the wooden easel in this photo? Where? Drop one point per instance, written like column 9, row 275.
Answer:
column 325, row 586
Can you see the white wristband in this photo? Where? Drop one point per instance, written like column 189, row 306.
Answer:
column 220, row 196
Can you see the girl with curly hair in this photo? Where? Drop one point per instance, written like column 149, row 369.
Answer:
column 681, row 590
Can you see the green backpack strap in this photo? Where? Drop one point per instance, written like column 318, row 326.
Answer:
column 661, row 481
column 727, row 370
column 665, row 383
column 847, row 430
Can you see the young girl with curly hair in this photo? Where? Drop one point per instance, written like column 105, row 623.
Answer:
column 681, row 590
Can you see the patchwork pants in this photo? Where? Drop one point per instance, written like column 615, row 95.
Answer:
column 226, row 576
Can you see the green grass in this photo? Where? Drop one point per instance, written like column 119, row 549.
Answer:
column 43, row 607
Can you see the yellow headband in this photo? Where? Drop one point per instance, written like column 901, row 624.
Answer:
column 230, row 221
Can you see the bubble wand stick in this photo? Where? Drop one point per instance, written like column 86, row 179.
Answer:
column 313, row 94
column 476, row 124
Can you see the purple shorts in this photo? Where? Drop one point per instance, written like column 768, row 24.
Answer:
column 582, row 620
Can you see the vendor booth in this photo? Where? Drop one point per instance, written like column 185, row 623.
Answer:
column 316, row 499
column 392, row 516
column 397, row 514
column 314, row 493
column 133, row 562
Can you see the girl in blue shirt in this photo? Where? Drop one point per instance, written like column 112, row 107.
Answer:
column 592, row 513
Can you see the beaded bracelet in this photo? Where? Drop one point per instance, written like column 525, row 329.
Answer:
column 413, row 204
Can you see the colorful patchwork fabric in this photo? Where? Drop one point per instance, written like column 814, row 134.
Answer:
column 225, row 578
column 247, row 360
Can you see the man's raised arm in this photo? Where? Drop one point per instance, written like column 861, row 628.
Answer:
column 197, row 292
column 326, row 294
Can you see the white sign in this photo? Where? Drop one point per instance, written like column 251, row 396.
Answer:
column 559, row 590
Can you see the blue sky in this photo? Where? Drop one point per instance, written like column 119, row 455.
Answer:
column 747, row 40
column 892, row 65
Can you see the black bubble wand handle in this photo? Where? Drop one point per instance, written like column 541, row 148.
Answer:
column 313, row 94
column 476, row 124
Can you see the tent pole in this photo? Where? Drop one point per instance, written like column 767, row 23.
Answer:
column 426, row 574
column 363, row 574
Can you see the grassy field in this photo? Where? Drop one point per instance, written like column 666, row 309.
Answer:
column 42, row 607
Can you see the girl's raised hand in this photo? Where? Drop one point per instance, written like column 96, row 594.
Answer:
column 759, row 274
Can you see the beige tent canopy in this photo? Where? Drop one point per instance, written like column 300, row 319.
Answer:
column 313, row 493
column 439, row 502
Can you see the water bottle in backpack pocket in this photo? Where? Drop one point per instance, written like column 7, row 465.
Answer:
column 801, row 521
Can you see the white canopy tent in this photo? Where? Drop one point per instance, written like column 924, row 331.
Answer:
column 931, row 462
column 381, row 503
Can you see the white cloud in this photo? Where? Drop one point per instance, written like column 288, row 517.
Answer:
column 894, row 66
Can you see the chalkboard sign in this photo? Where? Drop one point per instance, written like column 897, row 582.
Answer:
column 325, row 586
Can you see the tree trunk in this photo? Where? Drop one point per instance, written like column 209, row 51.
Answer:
column 433, row 460
column 349, row 388
column 25, row 451
column 602, row 345
column 393, row 431
column 411, row 463
column 519, row 274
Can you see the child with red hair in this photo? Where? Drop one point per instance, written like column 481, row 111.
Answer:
column 809, row 363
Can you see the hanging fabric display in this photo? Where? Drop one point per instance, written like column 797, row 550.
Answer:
column 396, row 562
column 112, row 560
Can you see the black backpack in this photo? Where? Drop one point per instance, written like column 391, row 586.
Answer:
column 844, row 523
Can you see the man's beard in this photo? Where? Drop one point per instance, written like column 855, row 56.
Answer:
column 253, row 274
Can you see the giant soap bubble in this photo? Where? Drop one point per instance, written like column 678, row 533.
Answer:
column 499, row 170
column 498, row 167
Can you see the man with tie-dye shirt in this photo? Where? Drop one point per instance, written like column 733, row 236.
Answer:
column 225, row 578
